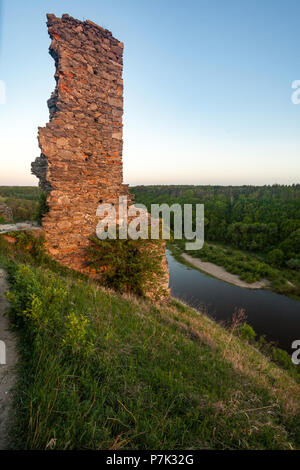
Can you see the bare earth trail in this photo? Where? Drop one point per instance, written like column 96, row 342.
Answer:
column 7, row 371
column 220, row 273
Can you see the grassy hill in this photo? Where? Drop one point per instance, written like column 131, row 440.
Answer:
column 100, row 370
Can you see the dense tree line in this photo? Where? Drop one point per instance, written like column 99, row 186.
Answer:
column 30, row 193
column 253, row 218
column 262, row 219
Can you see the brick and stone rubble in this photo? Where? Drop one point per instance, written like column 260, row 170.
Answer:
column 81, row 147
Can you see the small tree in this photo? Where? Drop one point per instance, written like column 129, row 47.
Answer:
column 129, row 265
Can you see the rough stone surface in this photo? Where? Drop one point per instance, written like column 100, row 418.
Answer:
column 81, row 160
column 81, row 147
column 6, row 212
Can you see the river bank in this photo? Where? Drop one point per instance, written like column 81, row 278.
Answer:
column 220, row 273
column 273, row 316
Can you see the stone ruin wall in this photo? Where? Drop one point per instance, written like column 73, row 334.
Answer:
column 81, row 147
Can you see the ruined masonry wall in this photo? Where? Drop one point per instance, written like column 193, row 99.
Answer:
column 81, row 147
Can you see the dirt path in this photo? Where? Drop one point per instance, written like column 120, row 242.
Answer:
column 220, row 273
column 7, row 371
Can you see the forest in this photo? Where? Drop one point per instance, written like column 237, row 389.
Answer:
column 260, row 221
column 263, row 220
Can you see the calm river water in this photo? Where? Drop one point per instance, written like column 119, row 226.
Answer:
column 270, row 314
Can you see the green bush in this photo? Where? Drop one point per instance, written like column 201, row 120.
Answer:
column 29, row 249
column 128, row 265
column 246, row 332
column 282, row 358
column 276, row 257
column 45, row 308
column 28, row 242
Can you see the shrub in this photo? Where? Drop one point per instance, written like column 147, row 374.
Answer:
column 76, row 334
column 246, row 332
column 276, row 257
column 30, row 243
column 35, row 303
column 128, row 265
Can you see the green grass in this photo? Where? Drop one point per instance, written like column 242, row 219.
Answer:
column 100, row 370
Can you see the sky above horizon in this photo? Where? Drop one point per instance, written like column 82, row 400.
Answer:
column 207, row 87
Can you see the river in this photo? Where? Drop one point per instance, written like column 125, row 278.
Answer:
column 270, row 314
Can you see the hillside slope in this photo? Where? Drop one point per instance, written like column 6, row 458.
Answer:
column 99, row 370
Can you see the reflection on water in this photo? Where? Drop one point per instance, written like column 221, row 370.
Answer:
column 270, row 314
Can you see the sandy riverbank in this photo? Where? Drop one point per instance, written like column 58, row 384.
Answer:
column 220, row 273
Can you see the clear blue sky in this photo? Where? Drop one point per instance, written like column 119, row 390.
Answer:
column 207, row 87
